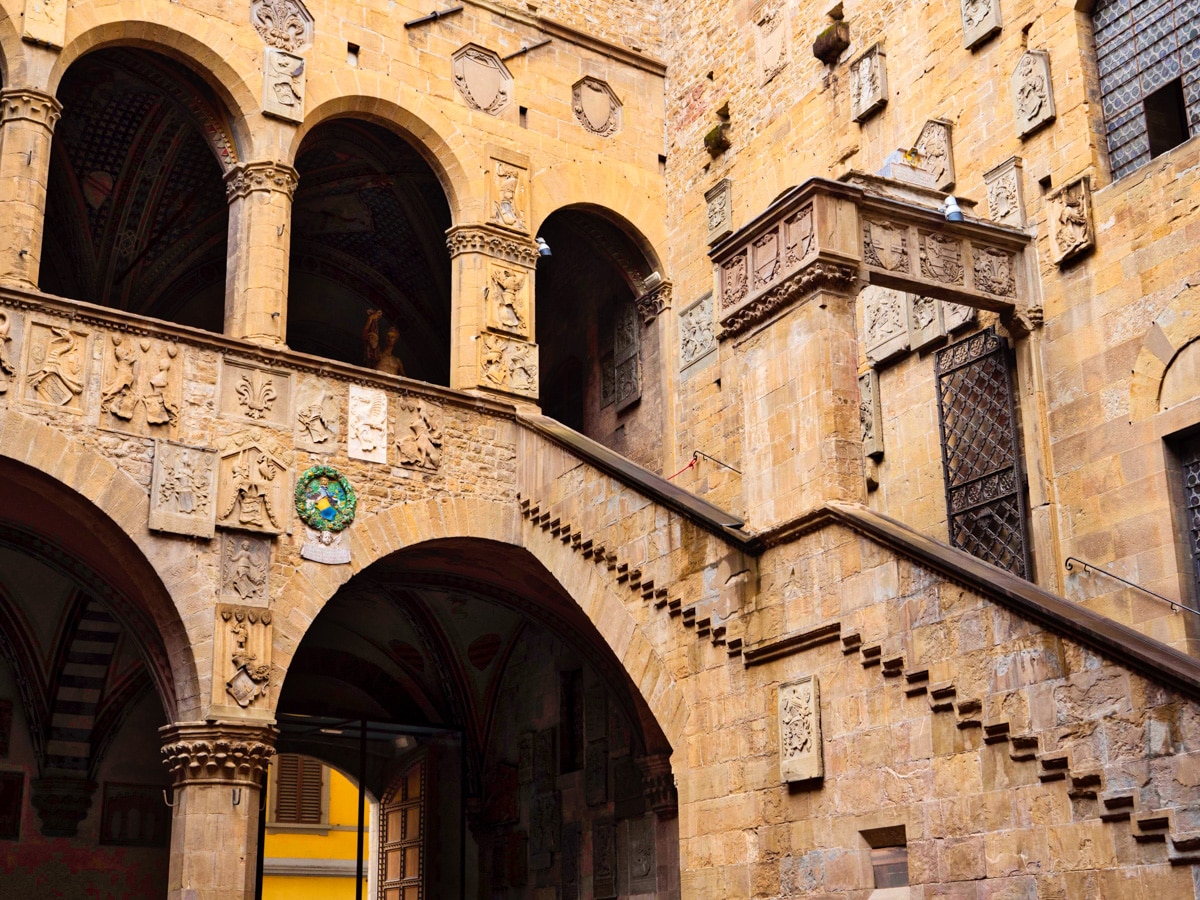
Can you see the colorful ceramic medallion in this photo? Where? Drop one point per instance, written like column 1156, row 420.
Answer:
column 325, row 500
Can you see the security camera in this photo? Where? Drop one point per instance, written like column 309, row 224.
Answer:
column 544, row 248
column 653, row 280
column 951, row 210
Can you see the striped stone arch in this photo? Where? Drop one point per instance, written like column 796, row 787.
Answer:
column 144, row 580
column 406, row 525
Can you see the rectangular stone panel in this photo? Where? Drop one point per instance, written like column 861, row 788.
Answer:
column 604, row 860
column 801, row 755
column 318, row 425
column 183, row 490
column 870, row 415
column 142, row 386
column 640, row 864
column 256, row 394
column 925, row 325
column 56, row 365
column 283, row 85
column 367, row 424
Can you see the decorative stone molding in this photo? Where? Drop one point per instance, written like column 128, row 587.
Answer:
column 245, row 178
column 868, row 84
column 1006, row 193
column 1032, row 92
column 652, row 303
column 1071, row 230
column 283, row 85
column 61, row 803
column 981, row 20
column 658, row 785
column 596, row 107
column 800, row 750
column 232, row 753
column 183, row 489
column 482, row 79
column 30, row 106
column 492, row 241
column 815, row 277
column 718, row 201
column 283, row 24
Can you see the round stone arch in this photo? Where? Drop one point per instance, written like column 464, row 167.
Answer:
column 373, row 537
column 192, row 41
column 153, row 578
column 12, row 54
column 356, row 94
column 1173, row 333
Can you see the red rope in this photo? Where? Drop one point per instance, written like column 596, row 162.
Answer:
column 685, row 468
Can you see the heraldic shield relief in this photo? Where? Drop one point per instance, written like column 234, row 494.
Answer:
column 325, row 500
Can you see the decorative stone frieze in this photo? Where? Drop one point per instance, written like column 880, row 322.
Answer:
column 253, row 482
column 492, row 241
column 233, row 753
column 1032, row 92
column 980, row 20
column 245, row 178
column 596, row 107
column 801, row 755
column 1006, row 193
column 718, row 201
column 30, row 106
column 870, row 414
column 1071, row 229
column 283, row 85
column 283, row 24
column 935, row 153
column 651, row 304
column 508, row 365
column 482, row 79
column 868, row 84
column 183, row 490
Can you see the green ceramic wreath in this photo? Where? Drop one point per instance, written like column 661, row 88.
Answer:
column 325, row 500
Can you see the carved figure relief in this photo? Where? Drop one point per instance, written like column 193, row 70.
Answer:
column 772, row 39
column 936, row 153
column 253, row 483
column 981, row 19
column 259, row 395
column 183, row 490
column 509, row 365
column 1071, row 231
column 643, row 875
column 367, row 426
column 283, row 85
column 696, row 336
column 142, row 387
column 798, row 237
column 718, row 201
column 45, row 22
column 885, row 246
column 608, row 380
column 596, row 107
column 994, row 272
column 941, row 257
column 7, row 371
column 924, row 321
column 885, row 323
column 545, row 824
column 604, row 860
column 800, row 750
column 868, row 84
column 734, row 283
column 283, row 24
column 243, row 635
column 482, row 79
column 1006, row 197
column 1033, row 97
column 869, row 414
column 245, row 564
column 419, row 434
column 507, row 294
column 956, row 315
column 378, row 354
column 509, row 188
column 318, row 419
column 56, row 365
column 627, row 346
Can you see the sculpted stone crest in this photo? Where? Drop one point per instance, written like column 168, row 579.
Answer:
column 718, row 201
column 508, row 299
column 482, row 79
column 245, row 657
column 509, row 194
column 1071, row 230
column 885, row 323
column 56, row 365
column 1033, row 98
column 936, row 154
column 1005, row 193
column 253, row 482
column 596, row 106
column 183, row 489
column 981, row 19
column 283, row 85
column 283, row 24
column 800, row 751
column 325, row 500
column 868, row 84
column 419, row 438
column 259, row 395
column 772, row 39
column 367, row 432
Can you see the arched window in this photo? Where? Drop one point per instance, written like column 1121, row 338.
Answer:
column 402, row 838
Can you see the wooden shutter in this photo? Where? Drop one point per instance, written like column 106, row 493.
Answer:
column 298, row 790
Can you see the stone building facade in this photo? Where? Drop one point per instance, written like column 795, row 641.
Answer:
column 592, row 427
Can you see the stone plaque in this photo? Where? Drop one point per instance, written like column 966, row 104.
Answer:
column 924, row 321
column 1032, row 94
column 259, row 395
column 868, row 84
column 772, row 39
column 142, row 388
column 508, row 194
column 957, row 315
column 718, row 201
column 545, row 827
column 1071, row 230
column 941, row 257
column 596, row 107
column 418, row 434
column 994, row 271
column 508, row 365
column 696, row 335
column 980, row 19
column 283, row 85
column 800, row 750
column 183, row 490
column 45, row 23
column 242, row 655
column 245, row 566
column 642, row 867
column 318, row 418
column 55, row 365
column 595, row 774
column 1006, row 193
column 885, row 323
column 869, row 414
column 367, row 424
column 508, row 293
column 253, row 482
column 482, row 79
column 935, row 153
column 885, row 246
column 604, row 860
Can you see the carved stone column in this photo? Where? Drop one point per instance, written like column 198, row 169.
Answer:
column 217, row 768
column 256, row 281
column 27, row 119
column 492, row 328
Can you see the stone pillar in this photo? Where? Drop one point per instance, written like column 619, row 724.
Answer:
column 27, row 119
column 217, row 768
column 491, row 320
column 260, row 240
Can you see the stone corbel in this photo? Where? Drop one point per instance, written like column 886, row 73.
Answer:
column 230, row 753
column 246, row 178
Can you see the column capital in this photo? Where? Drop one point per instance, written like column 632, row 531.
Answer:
column 245, row 178
column 218, row 752
column 652, row 303
column 658, row 785
column 492, row 241
column 30, row 105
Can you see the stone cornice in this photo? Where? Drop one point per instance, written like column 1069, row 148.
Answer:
column 816, row 276
column 30, row 106
column 493, row 242
column 245, row 178
column 218, row 752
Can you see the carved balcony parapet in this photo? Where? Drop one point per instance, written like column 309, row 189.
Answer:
column 836, row 236
column 217, row 752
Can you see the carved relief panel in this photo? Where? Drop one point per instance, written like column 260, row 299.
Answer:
column 935, row 151
column 604, row 860
column 242, row 655
column 482, row 79
column 367, row 424
column 1006, row 193
column 142, row 388
column 259, row 395
column 885, row 323
column 1032, row 93
column 868, row 84
column 735, row 284
column 869, row 414
column 245, row 566
column 11, row 331
column 885, row 246
column 641, row 871
column 253, row 482
column 924, row 321
column 1071, row 229
column 957, row 315
column 508, row 365
column 596, row 107
column 627, row 357
column 183, row 490
column 980, row 19
column 56, row 359
column 318, row 423
column 718, row 201
column 283, row 85
column 696, row 334
column 419, row 434
column 508, row 195
column 45, row 22
column 508, row 292
column 994, row 271
column 283, row 24
column 800, row 750
column 772, row 39
column 941, row 257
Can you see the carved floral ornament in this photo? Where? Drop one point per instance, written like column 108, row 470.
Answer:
column 283, row 24
column 596, row 107
column 245, row 178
